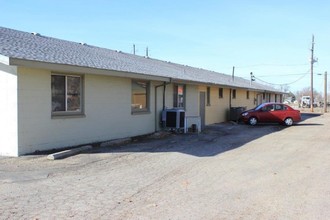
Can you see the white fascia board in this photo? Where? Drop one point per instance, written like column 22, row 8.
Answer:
column 64, row 68
column 228, row 86
column 4, row 59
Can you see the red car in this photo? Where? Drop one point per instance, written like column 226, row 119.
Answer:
column 271, row 112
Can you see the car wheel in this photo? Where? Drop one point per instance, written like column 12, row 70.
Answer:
column 253, row 121
column 288, row 121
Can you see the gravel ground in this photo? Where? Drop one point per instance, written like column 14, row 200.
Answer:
column 229, row 171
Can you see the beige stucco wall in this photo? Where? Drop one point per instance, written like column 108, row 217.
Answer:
column 107, row 102
column 218, row 110
column 107, row 108
column 268, row 97
column 241, row 99
column 8, row 110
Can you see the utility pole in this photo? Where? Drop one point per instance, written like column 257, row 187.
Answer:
column 311, row 101
column 325, row 92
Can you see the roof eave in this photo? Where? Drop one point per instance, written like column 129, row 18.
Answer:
column 230, row 86
column 66, row 68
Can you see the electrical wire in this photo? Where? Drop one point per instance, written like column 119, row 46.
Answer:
column 283, row 84
column 294, row 74
column 274, row 75
column 257, row 65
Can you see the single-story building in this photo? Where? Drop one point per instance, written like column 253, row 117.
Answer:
column 56, row 93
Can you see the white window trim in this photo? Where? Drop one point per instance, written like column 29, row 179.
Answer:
column 147, row 109
column 66, row 113
column 177, row 96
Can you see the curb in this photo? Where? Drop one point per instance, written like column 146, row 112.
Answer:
column 68, row 153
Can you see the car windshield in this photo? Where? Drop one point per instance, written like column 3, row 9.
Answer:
column 260, row 106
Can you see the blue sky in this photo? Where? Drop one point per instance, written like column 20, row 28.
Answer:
column 272, row 39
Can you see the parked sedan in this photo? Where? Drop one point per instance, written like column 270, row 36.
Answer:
column 271, row 112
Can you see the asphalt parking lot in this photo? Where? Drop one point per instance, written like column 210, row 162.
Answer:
column 230, row 171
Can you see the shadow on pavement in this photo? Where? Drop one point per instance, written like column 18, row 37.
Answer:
column 214, row 140
column 309, row 124
column 305, row 116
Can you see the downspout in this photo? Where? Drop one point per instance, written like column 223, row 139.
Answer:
column 164, row 90
column 230, row 91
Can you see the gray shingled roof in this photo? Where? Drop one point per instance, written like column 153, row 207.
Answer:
column 28, row 46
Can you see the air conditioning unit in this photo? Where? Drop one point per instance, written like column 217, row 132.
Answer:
column 174, row 118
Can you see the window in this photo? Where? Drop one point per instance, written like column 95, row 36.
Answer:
column 140, row 96
column 208, row 96
column 179, row 96
column 247, row 94
column 220, row 93
column 234, row 93
column 66, row 94
column 279, row 107
column 268, row 108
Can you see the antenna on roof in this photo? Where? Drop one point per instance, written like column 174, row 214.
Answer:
column 134, row 49
column 233, row 74
column 147, row 52
column 35, row 34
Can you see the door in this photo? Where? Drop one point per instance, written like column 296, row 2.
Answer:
column 279, row 113
column 266, row 113
column 259, row 99
column 202, row 109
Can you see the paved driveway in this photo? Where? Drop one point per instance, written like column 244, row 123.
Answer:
column 228, row 172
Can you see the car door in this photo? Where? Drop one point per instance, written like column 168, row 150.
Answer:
column 265, row 114
column 279, row 112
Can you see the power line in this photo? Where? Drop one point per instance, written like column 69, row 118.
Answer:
column 256, row 65
column 282, row 84
column 293, row 74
